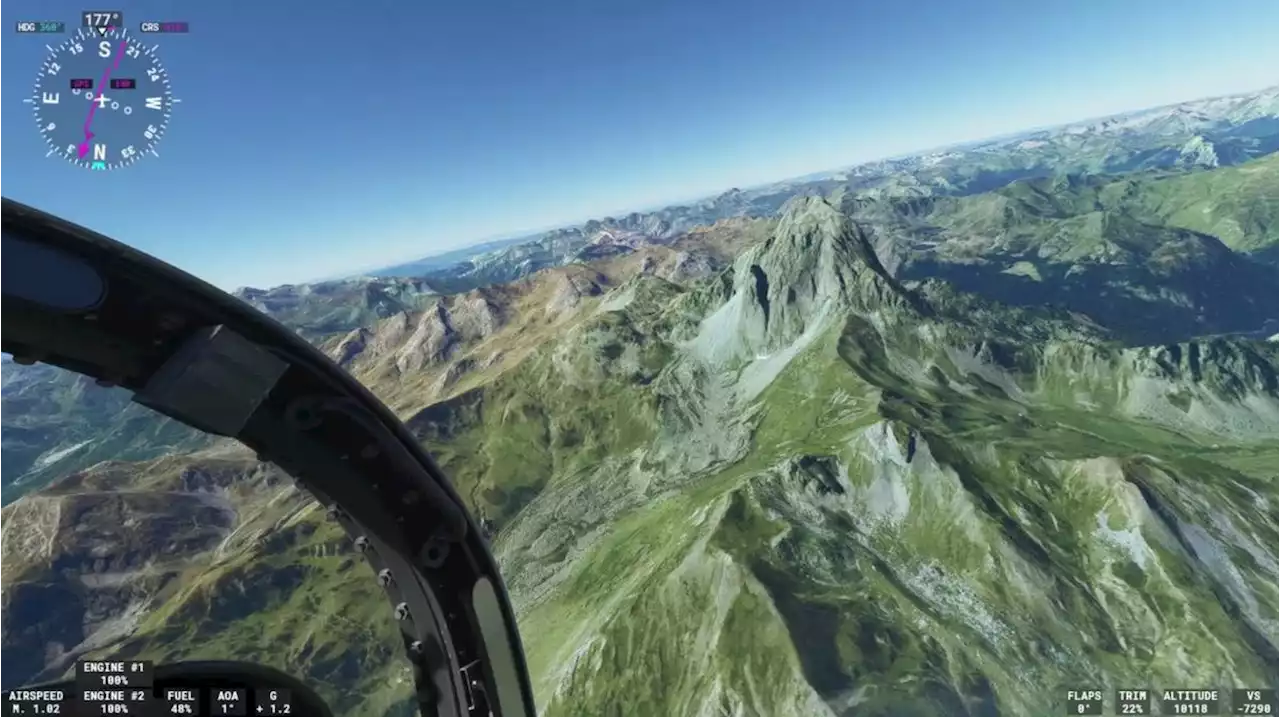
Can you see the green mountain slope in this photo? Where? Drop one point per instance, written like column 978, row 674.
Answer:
column 799, row 487
column 1139, row 254
column 891, row 536
column 1238, row 205
column 205, row 555
column 56, row 423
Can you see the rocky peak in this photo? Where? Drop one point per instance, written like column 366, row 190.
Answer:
column 416, row 341
column 570, row 289
column 1198, row 152
column 475, row 315
column 351, row 346
column 816, row 255
column 817, row 266
column 390, row 333
column 1230, row 367
column 442, row 328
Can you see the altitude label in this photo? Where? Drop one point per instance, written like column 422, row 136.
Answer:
column 1191, row 702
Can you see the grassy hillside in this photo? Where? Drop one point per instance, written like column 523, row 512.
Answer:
column 1157, row 257
column 799, row 485
column 896, row 539
column 1238, row 205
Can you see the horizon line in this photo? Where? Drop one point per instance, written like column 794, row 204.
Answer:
column 534, row 234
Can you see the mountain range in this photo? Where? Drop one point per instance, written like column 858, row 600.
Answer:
column 1211, row 132
column 939, row 435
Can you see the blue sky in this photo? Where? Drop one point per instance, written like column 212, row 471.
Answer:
column 321, row 137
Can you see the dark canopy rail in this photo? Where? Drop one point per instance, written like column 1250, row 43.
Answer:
column 78, row 300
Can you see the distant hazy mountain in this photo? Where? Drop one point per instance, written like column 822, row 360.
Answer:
column 444, row 260
column 323, row 308
column 1210, row 132
column 1215, row 132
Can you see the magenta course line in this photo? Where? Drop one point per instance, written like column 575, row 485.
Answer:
column 93, row 103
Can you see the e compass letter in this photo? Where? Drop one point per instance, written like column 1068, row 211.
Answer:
column 114, row 687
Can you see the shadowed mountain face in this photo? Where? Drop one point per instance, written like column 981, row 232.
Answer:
column 1156, row 257
column 780, row 466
